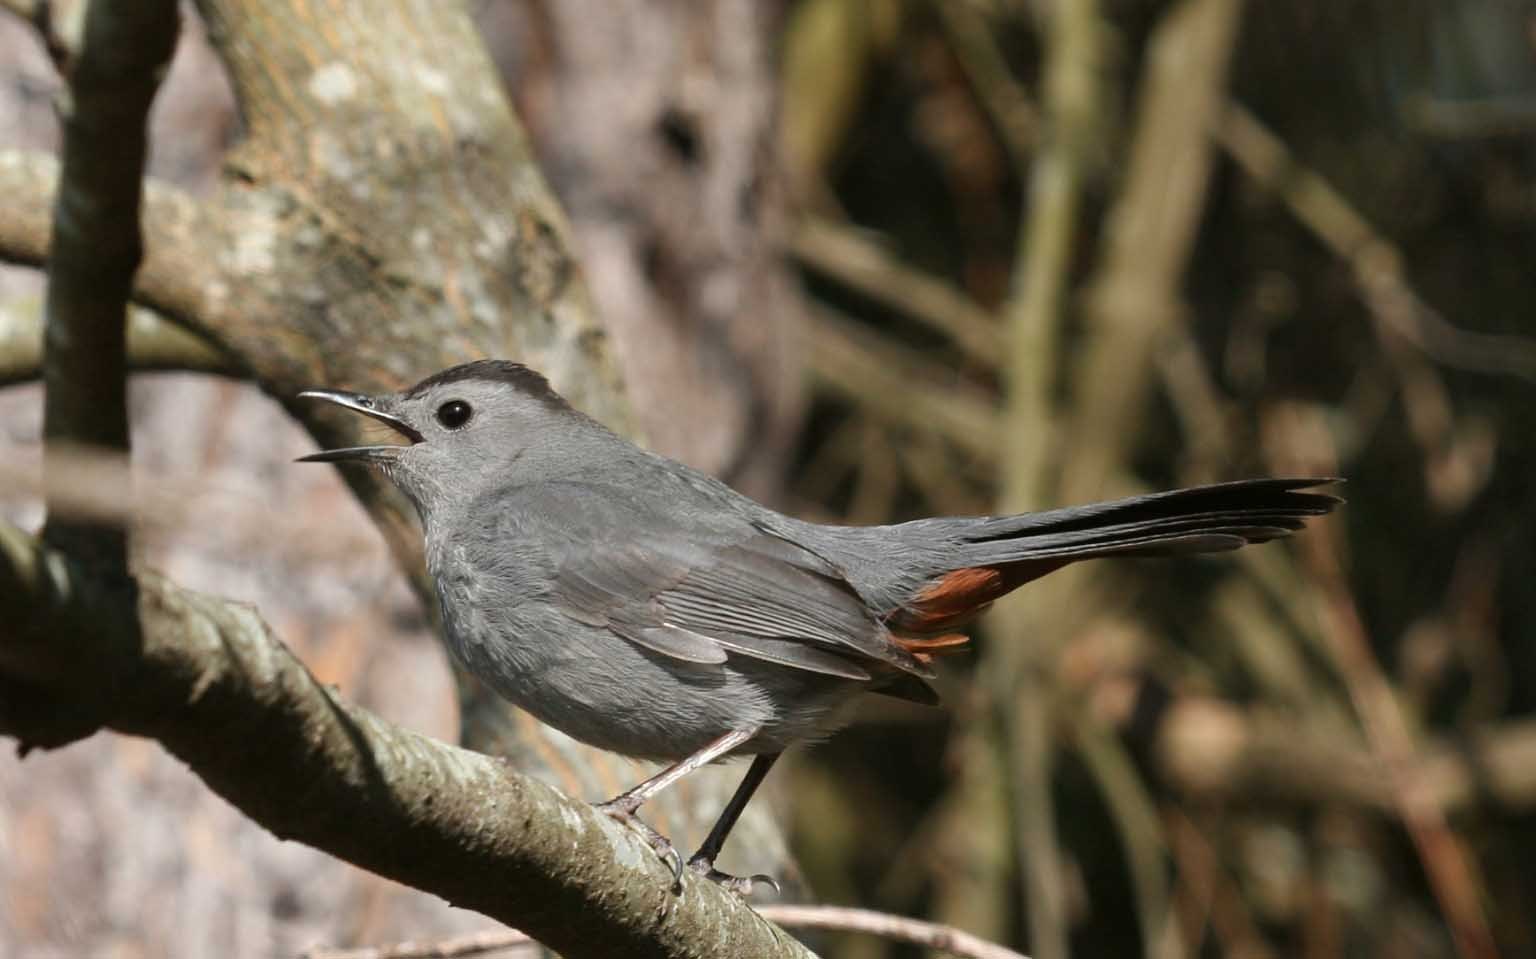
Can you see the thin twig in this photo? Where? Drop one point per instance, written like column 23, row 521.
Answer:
column 1134, row 814
column 47, row 27
column 899, row 385
column 471, row 944
column 39, row 14
column 1411, row 332
column 896, row 928
column 1000, row 93
column 1445, row 858
column 1377, row 265
column 1448, row 866
column 848, row 256
column 916, row 932
column 1218, row 901
column 1472, row 119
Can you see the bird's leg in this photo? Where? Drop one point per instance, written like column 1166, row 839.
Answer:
column 703, row 861
column 622, row 807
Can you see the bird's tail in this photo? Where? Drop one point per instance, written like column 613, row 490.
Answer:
column 998, row 554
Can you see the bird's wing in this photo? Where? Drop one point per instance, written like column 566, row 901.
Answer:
column 699, row 590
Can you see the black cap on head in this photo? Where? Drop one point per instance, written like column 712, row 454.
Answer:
column 526, row 380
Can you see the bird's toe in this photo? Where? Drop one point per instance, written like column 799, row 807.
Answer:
column 624, row 812
column 742, row 886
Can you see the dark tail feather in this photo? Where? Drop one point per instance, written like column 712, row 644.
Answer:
column 999, row 554
column 1199, row 519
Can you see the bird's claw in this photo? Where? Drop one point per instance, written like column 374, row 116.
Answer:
column 742, row 886
column 622, row 811
column 674, row 859
column 702, row 865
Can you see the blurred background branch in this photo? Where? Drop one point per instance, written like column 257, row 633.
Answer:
column 153, row 344
column 1021, row 692
column 1378, row 267
column 96, row 247
column 1206, row 335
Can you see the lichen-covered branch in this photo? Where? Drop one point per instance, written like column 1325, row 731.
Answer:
column 195, row 267
column 207, row 680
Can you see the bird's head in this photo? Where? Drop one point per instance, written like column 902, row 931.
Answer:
column 454, row 427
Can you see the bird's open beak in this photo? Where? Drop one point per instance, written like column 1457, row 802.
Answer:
column 369, row 407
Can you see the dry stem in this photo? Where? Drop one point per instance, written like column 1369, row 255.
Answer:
column 931, row 935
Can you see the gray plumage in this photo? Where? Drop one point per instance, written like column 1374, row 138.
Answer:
column 648, row 609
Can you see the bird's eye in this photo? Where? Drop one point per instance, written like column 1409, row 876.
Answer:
column 454, row 414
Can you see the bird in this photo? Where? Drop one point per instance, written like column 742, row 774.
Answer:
column 646, row 608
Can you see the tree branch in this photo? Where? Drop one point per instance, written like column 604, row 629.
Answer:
column 1021, row 694
column 154, row 344
column 900, row 386
column 96, row 246
column 986, row 67
column 1135, row 296
column 181, row 276
column 895, row 928
column 1449, row 867
column 25, row 9
column 1378, row 266
column 40, row 15
column 208, row 681
column 842, row 253
column 1216, row 749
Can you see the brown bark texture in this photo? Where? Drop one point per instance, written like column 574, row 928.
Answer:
column 381, row 215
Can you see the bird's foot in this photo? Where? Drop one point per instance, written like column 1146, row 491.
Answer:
column 742, row 886
column 622, row 810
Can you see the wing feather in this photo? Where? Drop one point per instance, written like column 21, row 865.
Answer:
column 701, row 592
column 676, row 642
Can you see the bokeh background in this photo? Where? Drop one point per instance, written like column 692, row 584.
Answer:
column 878, row 259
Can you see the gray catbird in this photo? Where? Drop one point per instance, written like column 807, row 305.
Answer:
column 647, row 609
